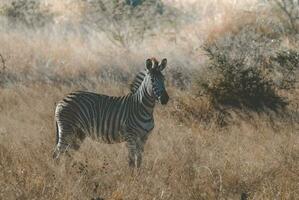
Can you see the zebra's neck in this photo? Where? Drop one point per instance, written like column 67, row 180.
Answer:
column 145, row 97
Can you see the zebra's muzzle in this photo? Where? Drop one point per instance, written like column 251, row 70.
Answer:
column 164, row 98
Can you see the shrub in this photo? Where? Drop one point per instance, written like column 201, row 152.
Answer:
column 28, row 13
column 286, row 62
column 127, row 22
column 238, row 72
column 179, row 77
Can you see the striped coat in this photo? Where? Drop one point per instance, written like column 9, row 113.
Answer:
column 112, row 119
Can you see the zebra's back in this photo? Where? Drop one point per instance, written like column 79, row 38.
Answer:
column 98, row 116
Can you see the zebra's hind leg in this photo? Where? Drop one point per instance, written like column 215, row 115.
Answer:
column 77, row 140
column 60, row 148
column 68, row 140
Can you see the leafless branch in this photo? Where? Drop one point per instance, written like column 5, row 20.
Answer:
column 288, row 7
column 3, row 63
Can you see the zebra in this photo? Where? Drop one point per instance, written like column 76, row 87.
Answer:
column 111, row 119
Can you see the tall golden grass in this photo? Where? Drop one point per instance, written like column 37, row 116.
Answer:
column 188, row 155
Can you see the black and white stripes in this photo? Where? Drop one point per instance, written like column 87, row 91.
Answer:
column 113, row 119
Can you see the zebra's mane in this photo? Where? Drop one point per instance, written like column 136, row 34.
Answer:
column 137, row 81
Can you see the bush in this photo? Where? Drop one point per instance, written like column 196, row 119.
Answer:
column 179, row 77
column 127, row 22
column 239, row 72
column 286, row 62
column 28, row 13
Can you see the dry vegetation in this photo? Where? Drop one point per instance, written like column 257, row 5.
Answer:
column 201, row 148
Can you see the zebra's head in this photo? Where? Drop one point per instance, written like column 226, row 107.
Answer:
column 154, row 70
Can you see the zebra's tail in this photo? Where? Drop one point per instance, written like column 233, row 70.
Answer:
column 55, row 153
column 57, row 133
column 56, row 150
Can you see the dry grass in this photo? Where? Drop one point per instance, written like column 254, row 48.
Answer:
column 257, row 156
column 188, row 155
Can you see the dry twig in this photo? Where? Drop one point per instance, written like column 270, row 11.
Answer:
column 3, row 63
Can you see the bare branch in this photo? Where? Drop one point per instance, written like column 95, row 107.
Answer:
column 3, row 62
column 289, row 9
column 292, row 3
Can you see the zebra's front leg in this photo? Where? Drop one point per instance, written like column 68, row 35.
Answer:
column 135, row 158
column 135, row 149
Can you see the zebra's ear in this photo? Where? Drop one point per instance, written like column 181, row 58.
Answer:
column 149, row 64
column 163, row 64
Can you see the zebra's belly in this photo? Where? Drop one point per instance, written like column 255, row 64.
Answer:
column 107, row 137
column 118, row 136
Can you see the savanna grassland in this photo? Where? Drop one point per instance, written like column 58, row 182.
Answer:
column 229, row 131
